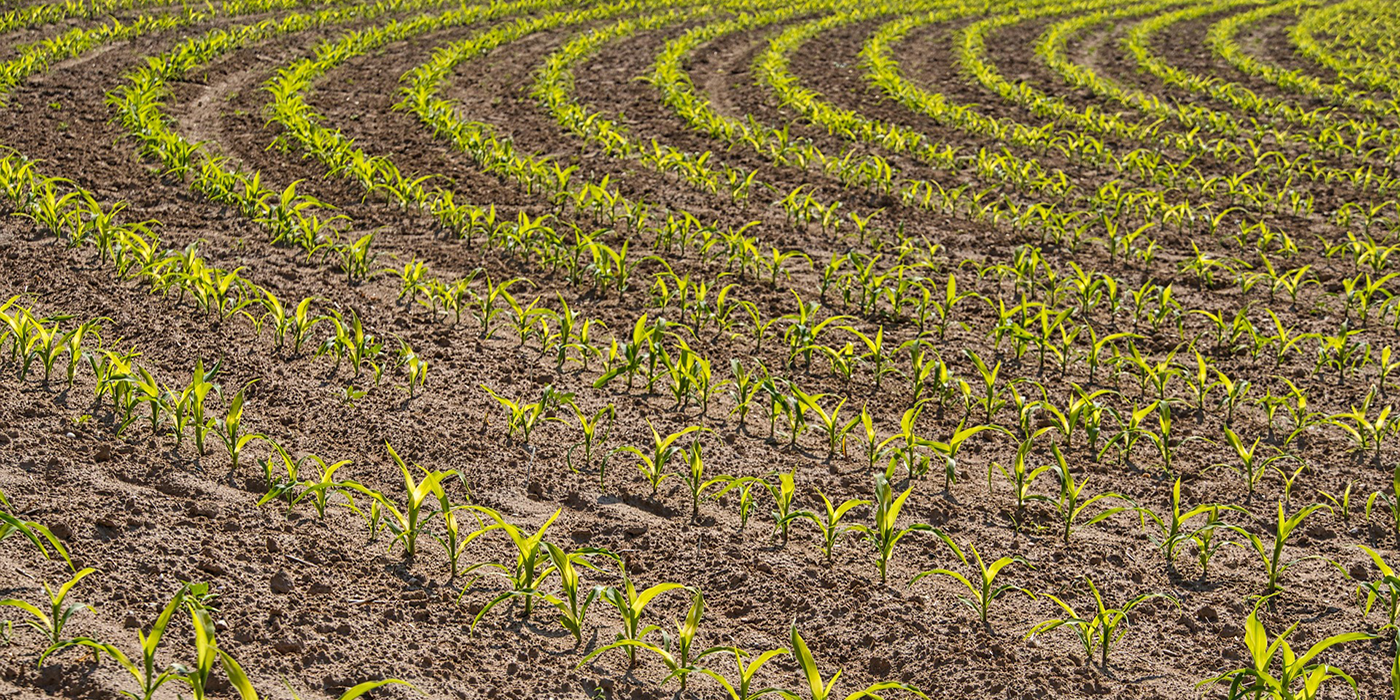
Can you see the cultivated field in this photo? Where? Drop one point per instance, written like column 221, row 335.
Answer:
column 659, row 349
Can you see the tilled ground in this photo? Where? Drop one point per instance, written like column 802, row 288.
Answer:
column 323, row 605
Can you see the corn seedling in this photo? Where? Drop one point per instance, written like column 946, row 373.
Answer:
column 531, row 566
column 521, row 416
column 411, row 521
column 744, row 486
column 194, row 395
column 830, row 421
column 453, row 540
column 885, row 533
column 1205, row 540
column 826, row 689
column 229, row 429
column 630, row 605
column 984, row 590
column 1100, row 632
column 1071, row 503
column 1341, row 502
column 1258, row 680
column 1272, row 556
column 358, row 691
column 1253, row 464
column 681, row 660
column 1172, row 528
column 1391, row 501
column 741, row 687
column 149, row 677
column 829, row 524
column 591, row 434
column 783, row 493
column 695, row 481
column 653, row 466
column 207, row 653
column 572, row 603
column 948, row 451
column 1386, row 589
column 51, row 622
column 1366, row 432
column 989, row 401
column 36, row 533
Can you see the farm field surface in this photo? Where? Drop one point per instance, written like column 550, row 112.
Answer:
column 798, row 349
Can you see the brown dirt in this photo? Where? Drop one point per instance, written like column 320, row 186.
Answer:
column 317, row 603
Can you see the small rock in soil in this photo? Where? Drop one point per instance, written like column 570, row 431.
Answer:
column 204, row 510
column 281, row 582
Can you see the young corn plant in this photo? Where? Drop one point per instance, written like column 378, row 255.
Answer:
column 695, row 481
column 948, row 451
column 149, row 677
column 1253, row 465
column 207, row 653
column 1298, row 677
column 1205, row 540
column 572, row 603
column 653, row 466
column 885, row 533
column 741, row 687
column 744, row 486
column 1386, row 589
column 1021, row 477
column 1131, row 429
column 783, row 493
column 1172, row 527
column 983, row 591
column 1101, row 631
column 36, row 533
column 51, row 622
column 595, row 433
column 1341, row 502
column 874, row 446
column 1272, row 554
column 487, row 305
column 904, row 446
column 229, row 429
column 821, row 689
column 408, row 523
column 194, row 396
column 829, row 524
column 319, row 489
column 1367, row 433
column 531, row 566
column 453, row 540
column 630, row 605
column 830, row 421
column 990, row 401
column 743, row 388
column 1071, row 502
column 355, row 692
column 677, row 652
column 1391, row 501
column 521, row 416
